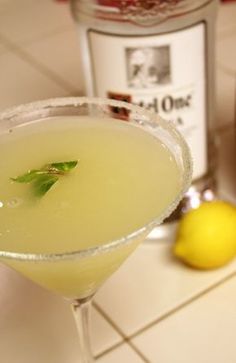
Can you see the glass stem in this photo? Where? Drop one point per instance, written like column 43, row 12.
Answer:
column 81, row 309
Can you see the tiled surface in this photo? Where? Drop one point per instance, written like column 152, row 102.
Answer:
column 154, row 289
column 154, row 309
column 34, row 320
column 64, row 62
column 103, row 334
column 202, row 332
column 22, row 82
column 121, row 354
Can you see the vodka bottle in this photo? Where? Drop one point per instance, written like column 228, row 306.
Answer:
column 158, row 54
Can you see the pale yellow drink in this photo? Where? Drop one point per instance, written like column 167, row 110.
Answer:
column 125, row 178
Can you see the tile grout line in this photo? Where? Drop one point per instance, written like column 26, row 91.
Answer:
column 183, row 305
column 138, row 351
column 128, row 339
column 120, row 332
column 24, row 55
column 109, row 320
column 117, row 345
column 108, row 350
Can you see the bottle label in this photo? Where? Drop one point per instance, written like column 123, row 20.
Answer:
column 164, row 73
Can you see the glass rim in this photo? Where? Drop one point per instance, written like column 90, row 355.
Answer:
column 153, row 118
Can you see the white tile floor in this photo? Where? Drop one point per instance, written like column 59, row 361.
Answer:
column 154, row 309
column 121, row 354
column 203, row 330
column 156, row 289
column 34, row 318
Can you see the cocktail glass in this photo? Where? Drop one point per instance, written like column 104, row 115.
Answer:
column 77, row 275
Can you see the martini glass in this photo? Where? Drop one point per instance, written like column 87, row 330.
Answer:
column 77, row 274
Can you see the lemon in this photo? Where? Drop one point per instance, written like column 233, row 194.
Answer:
column 206, row 236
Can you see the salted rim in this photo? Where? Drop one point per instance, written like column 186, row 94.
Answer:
column 153, row 119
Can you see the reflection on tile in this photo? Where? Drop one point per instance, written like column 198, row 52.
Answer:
column 23, row 24
column 34, row 320
column 150, row 284
column 225, row 98
column 226, row 19
column 227, row 170
column 226, row 52
column 61, row 55
column 204, row 331
column 21, row 82
column 122, row 354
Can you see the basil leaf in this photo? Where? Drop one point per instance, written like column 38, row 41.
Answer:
column 43, row 179
column 64, row 166
column 29, row 176
column 43, row 183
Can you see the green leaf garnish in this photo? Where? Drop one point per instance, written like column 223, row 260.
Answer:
column 43, row 183
column 43, row 179
column 64, row 166
column 29, row 177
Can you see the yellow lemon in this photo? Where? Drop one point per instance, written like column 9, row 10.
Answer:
column 206, row 236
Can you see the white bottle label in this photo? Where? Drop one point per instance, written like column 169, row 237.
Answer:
column 165, row 73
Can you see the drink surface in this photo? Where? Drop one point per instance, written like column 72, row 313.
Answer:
column 125, row 178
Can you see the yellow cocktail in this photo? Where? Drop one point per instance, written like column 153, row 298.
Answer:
column 128, row 177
